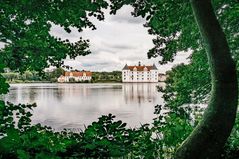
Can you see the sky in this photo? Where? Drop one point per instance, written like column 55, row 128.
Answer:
column 118, row 40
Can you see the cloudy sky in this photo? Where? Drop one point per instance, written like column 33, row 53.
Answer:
column 118, row 40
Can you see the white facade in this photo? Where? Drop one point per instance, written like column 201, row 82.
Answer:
column 75, row 77
column 140, row 73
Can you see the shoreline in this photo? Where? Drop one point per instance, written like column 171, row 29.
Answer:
column 29, row 82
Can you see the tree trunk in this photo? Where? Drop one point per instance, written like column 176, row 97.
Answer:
column 208, row 138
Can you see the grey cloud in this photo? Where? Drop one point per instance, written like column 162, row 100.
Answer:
column 103, row 63
column 132, row 57
column 88, row 64
column 118, row 46
column 112, row 48
column 123, row 19
column 118, row 40
column 124, row 16
column 102, row 49
column 58, row 31
column 123, row 47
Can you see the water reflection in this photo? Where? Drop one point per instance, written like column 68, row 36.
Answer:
column 73, row 105
column 139, row 92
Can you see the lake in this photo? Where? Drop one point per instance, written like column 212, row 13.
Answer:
column 73, row 106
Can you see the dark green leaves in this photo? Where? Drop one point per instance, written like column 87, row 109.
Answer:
column 25, row 28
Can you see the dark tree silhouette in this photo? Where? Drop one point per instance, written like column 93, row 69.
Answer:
column 208, row 138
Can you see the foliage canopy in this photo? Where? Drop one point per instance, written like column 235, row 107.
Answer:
column 25, row 29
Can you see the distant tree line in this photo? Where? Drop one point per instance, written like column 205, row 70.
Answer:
column 33, row 76
column 51, row 76
column 114, row 76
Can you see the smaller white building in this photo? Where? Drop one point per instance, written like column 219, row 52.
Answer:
column 75, row 76
column 140, row 73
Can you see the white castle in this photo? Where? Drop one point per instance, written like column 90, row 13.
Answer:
column 140, row 73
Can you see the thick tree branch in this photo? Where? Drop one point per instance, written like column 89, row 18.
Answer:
column 209, row 137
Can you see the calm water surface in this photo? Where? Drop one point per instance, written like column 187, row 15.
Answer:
column 72, row 106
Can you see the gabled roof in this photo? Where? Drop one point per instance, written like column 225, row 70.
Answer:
column 125, row 67
column 140, row 68
column 154, row 67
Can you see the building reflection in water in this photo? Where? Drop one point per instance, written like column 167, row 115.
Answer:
column 139, row 92
column 75, row 105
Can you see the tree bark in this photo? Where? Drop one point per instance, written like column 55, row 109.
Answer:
column 210, row 135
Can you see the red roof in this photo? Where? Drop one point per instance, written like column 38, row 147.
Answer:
column 78, row 74
column 139, row 68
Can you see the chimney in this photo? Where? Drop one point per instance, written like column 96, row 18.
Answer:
column 139, row 63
